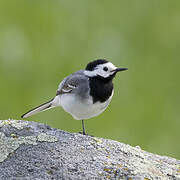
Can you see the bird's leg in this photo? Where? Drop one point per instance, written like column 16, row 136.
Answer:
column 84, row 133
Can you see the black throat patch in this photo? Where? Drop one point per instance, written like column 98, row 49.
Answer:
column 101, row 88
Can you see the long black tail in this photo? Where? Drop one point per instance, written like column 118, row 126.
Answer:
column 42, row 107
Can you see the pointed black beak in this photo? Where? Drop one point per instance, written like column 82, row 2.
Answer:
column 119, row 69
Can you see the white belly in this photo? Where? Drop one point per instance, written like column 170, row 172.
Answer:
column 82, row 109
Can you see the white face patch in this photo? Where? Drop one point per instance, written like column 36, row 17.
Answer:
column 103, row 70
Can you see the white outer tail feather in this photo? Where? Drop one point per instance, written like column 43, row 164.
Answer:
column 41, row 108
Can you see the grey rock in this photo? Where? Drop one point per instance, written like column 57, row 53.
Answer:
column 30, row 150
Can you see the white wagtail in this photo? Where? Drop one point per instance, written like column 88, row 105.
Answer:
column 85, row 93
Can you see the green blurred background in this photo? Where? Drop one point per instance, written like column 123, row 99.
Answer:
column 43, row 41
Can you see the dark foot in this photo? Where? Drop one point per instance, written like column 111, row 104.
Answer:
column 86, row 134
column 83, row 133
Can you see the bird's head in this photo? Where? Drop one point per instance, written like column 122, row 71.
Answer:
column 102, row 68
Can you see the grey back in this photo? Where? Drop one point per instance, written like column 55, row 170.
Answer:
column 76, row 83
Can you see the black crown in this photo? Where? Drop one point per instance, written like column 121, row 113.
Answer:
column 93, row 64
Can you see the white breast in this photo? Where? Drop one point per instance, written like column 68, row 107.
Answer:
column 82, row 109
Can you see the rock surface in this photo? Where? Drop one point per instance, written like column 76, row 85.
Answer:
column 30, row 150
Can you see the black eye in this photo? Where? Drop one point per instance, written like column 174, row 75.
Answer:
column 105, row 69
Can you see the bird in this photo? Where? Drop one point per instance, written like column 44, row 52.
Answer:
column 85, row 93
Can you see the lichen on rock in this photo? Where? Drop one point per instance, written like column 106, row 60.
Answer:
column 31, row 150
column 10, row 144
column 14, row 123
